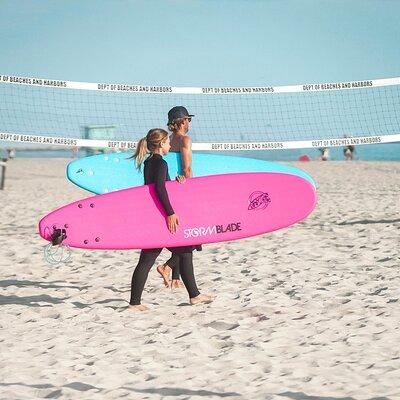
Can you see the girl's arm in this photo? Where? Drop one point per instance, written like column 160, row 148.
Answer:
column 161, row 191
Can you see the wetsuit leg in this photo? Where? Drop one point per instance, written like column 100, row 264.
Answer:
column 173, row 263
column 187, row 273
column 139, row 277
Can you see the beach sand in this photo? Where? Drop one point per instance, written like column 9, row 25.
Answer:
column 309, row 312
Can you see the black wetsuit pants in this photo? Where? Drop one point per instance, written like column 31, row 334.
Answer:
column 183, row 255
column 173, row 263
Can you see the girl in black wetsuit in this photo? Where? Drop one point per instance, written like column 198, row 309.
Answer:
column 157, row 144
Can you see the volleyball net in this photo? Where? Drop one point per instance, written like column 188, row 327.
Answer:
column 116, row 116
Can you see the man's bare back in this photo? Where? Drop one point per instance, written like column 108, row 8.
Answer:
column 176, row 142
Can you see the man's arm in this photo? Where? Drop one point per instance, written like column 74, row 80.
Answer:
column 186, row 156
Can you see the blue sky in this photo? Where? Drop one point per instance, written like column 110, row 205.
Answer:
column 201, row 43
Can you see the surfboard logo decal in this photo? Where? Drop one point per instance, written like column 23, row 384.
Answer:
column 211, row 230
column 259, row 201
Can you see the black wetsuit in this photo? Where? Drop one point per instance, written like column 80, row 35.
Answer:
column 156, row 171
column 173, row 262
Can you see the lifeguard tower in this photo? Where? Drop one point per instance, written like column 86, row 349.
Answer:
column 99, row 132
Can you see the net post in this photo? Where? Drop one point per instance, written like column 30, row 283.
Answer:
column 2, row 172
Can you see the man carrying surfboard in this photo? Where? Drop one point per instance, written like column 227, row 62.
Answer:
column 178, row 123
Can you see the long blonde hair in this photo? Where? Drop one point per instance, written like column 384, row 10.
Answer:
column 148, row 145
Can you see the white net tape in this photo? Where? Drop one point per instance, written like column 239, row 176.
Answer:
column 62, row 113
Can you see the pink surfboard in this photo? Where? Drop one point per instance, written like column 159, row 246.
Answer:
column 211, row 209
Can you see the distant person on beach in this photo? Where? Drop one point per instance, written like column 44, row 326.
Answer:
column 10, row 154
column 155, row 145
column 178, row 123
column 348, row 152
column 324, row 154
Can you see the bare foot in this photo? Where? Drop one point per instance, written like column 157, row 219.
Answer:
column 177, row 284
column 138, row 307
column 164, row 270
column 202, row 299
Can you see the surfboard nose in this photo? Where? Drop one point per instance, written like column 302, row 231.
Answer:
column 74, row 171
column 44, row 229
column 78, row 170
column 48, row 227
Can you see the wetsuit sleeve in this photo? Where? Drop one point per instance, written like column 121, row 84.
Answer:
column 159, row 183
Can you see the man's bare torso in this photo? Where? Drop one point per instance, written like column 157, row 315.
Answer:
column 176, row 142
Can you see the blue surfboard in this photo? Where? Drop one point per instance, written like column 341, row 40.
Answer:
column 105, row 173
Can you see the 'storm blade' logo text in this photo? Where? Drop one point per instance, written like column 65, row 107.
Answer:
column 211, row 230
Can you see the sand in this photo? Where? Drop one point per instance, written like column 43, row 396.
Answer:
column 309, row 312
